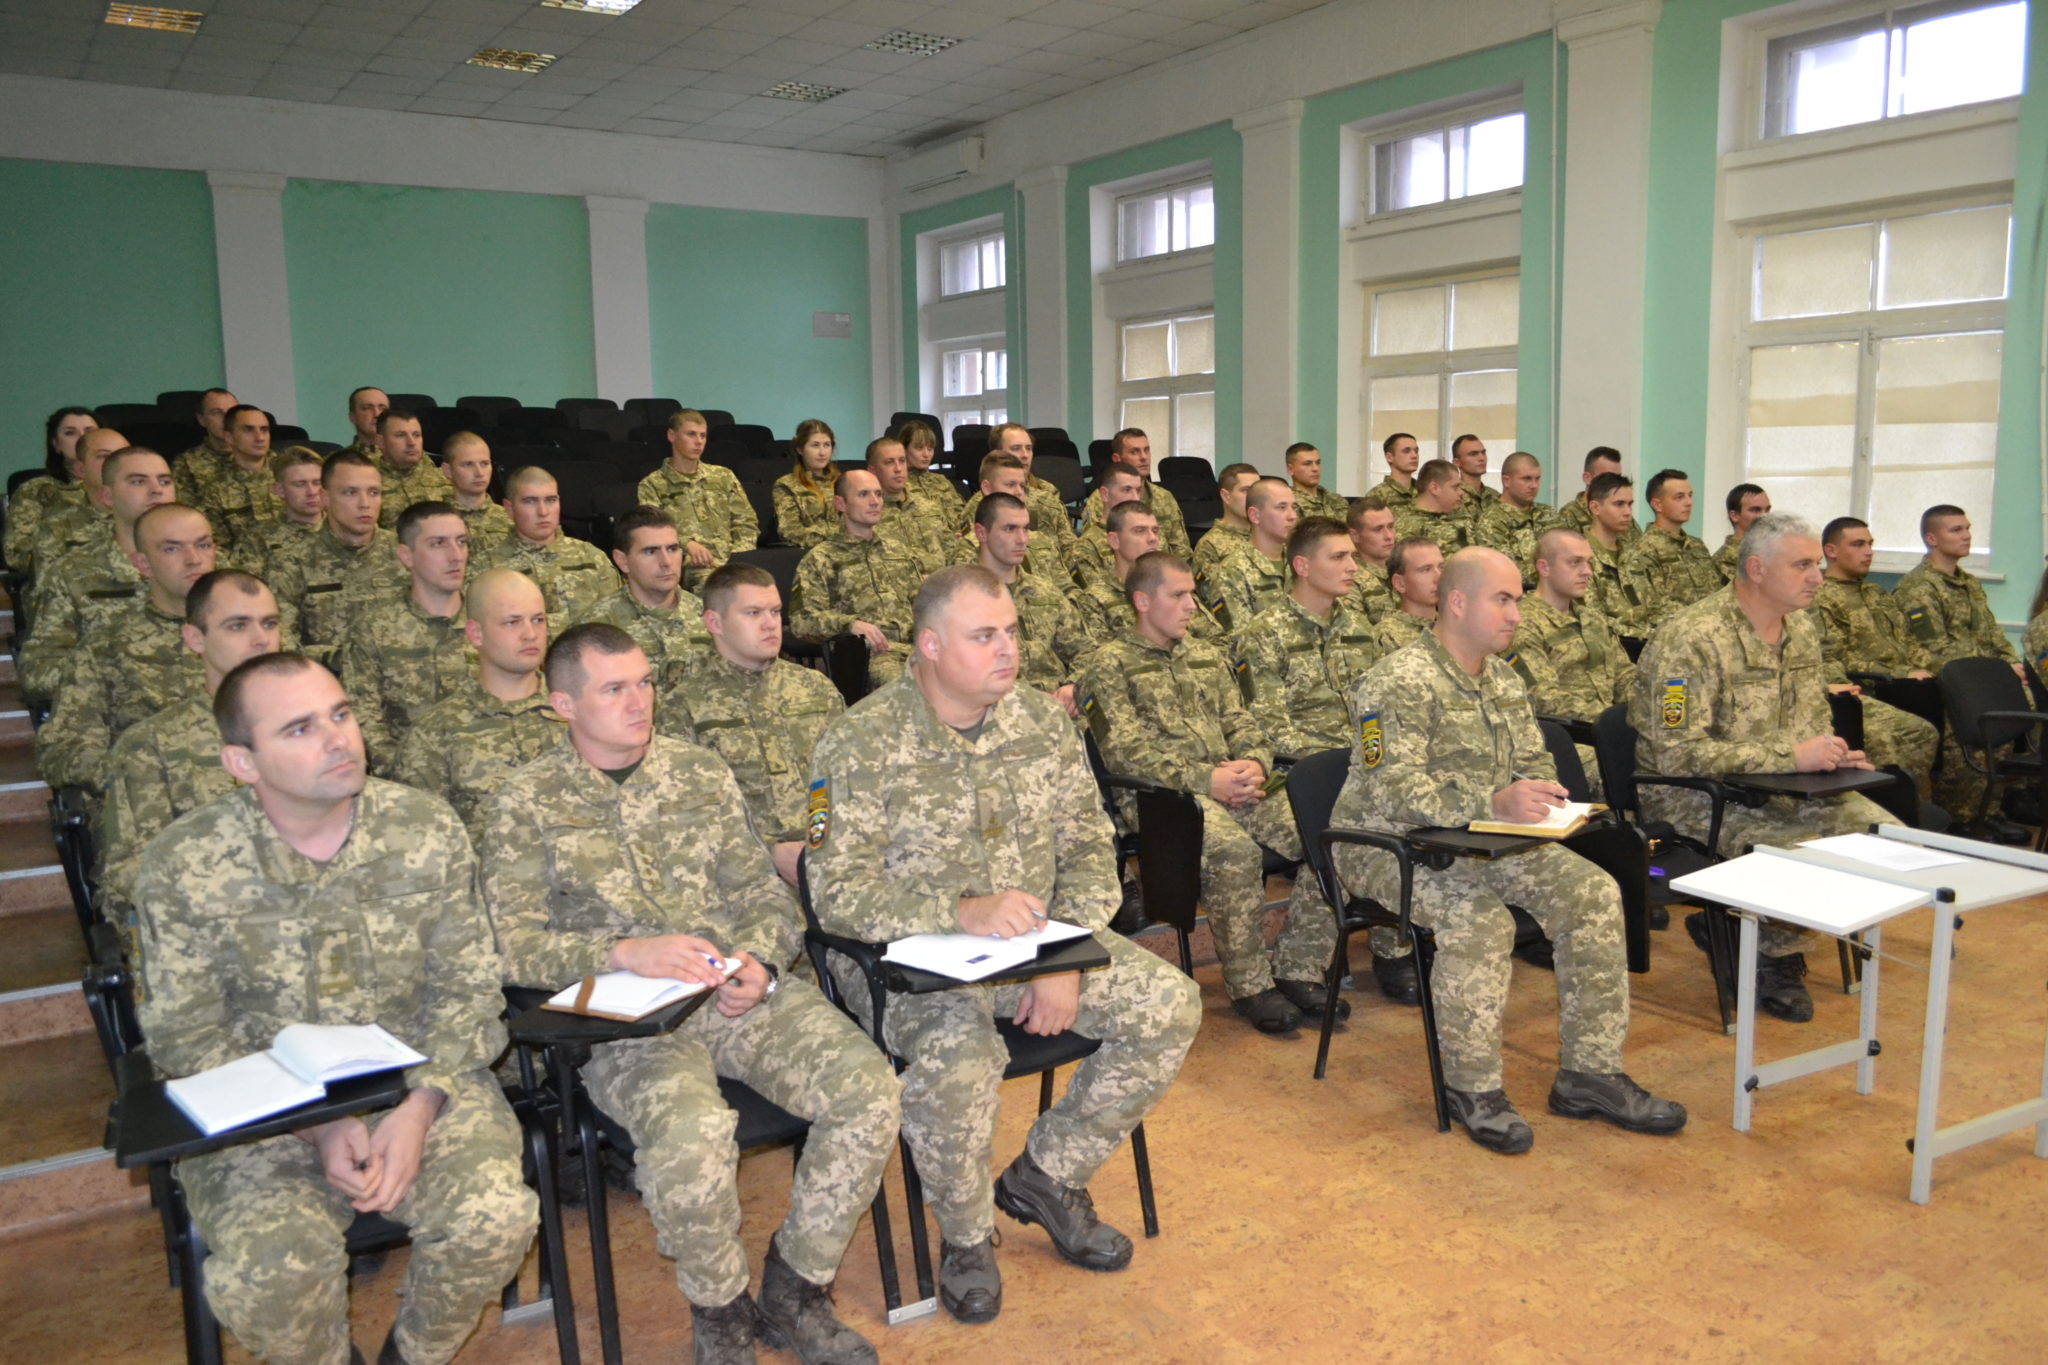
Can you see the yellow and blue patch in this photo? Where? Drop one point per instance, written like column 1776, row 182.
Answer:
column 1673, row 707
column 819, row 821
column 1371, row 743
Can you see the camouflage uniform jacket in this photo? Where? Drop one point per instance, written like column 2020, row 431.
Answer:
column 131, row 668
column 844, row 579
column 237, row 502
column 2034, row 644
column 1724, row 558
column 803, row 516
column 708, row 506
column 1947, row 612
column 1093, row 559
column 764, row 724
column 1432, row 743
column 320, row 582
column 908, row 815
column 1578, row 515
column 269, row 542
column 1321, row 502
column 671, row 636
column 192, row 468
column 464, row 745
column 1571, row 662
column 424, row 482
column 1863, row 630
column 162, row 767
column 1297, row 670
column 574, row 862
column 1106, row 613
column 65, row 527
column 487, row 526
column 1372, row 592
column 1712, row 697
column 1397, row 498
column 1401, row 628
column 1170, row 714
column 26, row 508
column 1514, row 531
column 939, row 489
column 1668, row 572
column 242, row 934
column 1475, row 502
column 1613, row 592
column 1241, row 582
column 574, row 576
column 81, row 589
column 1051, row 527
column 396, row 661
column 1173, row 527
column 1219, row 540
column 1448, row 531
column 1051, row 636
column 924, row 531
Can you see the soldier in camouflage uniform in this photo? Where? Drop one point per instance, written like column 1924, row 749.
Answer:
column 169, row 763
column 465, row 744
column 1445, row 736
column 922, row 444
column 86, row 584
column 1668, row 567
column 1233, row 482
column 1093, row 559
column 409, row 476
column 858, row 583
column 1305, row 476
column 469, row 477
column 759, row 712
column 59, row 486
column 362, row 909
column 1397, row 490
column 1166, row 708
column 1051, row 526
column 710, row 509
column 1614, row 592
column 1746, row 502
column 239, row 494
column 1515, row 520
column 922, row 528
column 403, row 654
column 212, row 450
column 74, row 522
column 573, row 575
column 651, row 605
column 1371, row 524
column 954, row 801
column 1567, row 656
column 1246, row 578
column 295, row 478
column 348, row 562
column 1468, row 454
column 1578, row 513
column 365, row 406
column 1945, row 607
column 802, row 498
column 1002, row 473
column 134, row 663
column 1437, row 513
column 1733, row 684
column 1105, row 608
column 1412, row 573
column 587, row 869
column 1131, row 448
column 2034, row 640
column 1052, row 636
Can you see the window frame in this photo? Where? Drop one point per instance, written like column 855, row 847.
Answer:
column 1166, row 189
column 1444, row 120
column 1409, row 364
column 980, row 237
column 975, row 407
column 1171, row 387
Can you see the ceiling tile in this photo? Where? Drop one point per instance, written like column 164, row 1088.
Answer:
column 433, row 104
column 771, row 22
column 371, row 99
column 202, row 84
column 715, row 39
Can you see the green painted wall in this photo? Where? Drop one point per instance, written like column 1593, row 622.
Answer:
column 1325, row 373
column 732, row 294
column 441, row 292
column 1003, row 200
column 110, row 292
column 1221, row 147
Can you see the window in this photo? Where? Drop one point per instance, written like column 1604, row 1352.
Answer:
column 1451, row 162
column 1167, row 383
column 975, row 385
column 972, row 265
column 1160, row 222
column 1893, row 62
column 1440, row 362
column 1873, row 355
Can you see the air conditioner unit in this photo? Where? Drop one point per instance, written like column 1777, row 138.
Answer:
column 942, row 165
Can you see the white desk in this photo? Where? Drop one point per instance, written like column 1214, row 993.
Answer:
column 1993, row 876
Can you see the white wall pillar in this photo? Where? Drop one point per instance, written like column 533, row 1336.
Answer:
column 885, row 302
column 255, row 295
column 1272, row 280
column 1044, row 305
column 1606, row 206
column 619, row 305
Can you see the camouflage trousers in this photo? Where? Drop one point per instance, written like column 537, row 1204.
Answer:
column 1466, row 908
column 887, row 666
column 1781, row 821
column 1143, row 1011
column 799, row 1052
column 1892, row 737
column 1234, row 894
column 1960, row 788
column 278, row 1276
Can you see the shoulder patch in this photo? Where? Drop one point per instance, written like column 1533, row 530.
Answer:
column 1673, row 707
column 819, row 822
column 1371, row 743
column 1921, row 624
column 1513, row 659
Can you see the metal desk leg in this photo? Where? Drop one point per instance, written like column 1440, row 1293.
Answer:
column 1928, row 1115
column 1745, row 1024
column 1866, row 1032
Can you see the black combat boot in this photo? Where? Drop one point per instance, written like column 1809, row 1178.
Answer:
column 796, row 1315
column 723, row 1336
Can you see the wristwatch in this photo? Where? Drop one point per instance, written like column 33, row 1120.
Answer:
column 774, row 977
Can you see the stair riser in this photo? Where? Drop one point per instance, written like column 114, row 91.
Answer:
column 43, row 891
column 26, row 1018
column 36, row 1202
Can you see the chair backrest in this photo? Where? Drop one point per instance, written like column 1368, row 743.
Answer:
column 491, row 407
column 1971, row 687
column 716, row 417
column 437, row 426
column 779, row 560
column 1571, row 774
column 577, row 439
column 534, row 421
column 121, row 414
column 285, row 434
column 653, row 412
column 1169, row 851
column 1060, row 449
column 897, row 419
column 1063, row 472
column 1098, row 454
column 610, row 423
column 418, row 403
column 179, row 404
column 1313, row 784
column 1614, row 746
column 1846, row 712
column 654, row 433
column 728, row 452
column 753, row 435
column 566, row 406
column 1188, row 476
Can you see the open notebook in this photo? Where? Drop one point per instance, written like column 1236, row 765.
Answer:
column 626, row 996
column 975, row 957
column 296, row 1070
column 1561, row 823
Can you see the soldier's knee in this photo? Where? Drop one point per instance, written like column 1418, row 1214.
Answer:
column 498, row 1221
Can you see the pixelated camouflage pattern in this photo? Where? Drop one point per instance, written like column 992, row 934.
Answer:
column 161, row 767
column 1052, row 530
column 573, row 575
column 672, row 637
column 1571, row 662
column 1578, row 514
column 464, row 745
column 1448, row 531
column 1724, row 558
column 923, row 529
column 1321, row 502
column 1514, row 531
column 764, row 724
column 81, row 588
column 269, row 542
column 1220, row 539
column 236, row 503
column 1372, row 592
column 320, row 582
column 1298, row 668
column 1241, row 581
column 1614, row 593
column 486, row 525
column 27, row 507
column 69, row 526
column 396, row 661
column 842, row 580
column 707, row 506
column 1668, row 572
column 1863, row 630
column 2034, row 645
column 1948, row 613
column 191, row 469
column 1052, row 636
column 424, row 482
column 803, row 516
column 132, row 666
column 936, row 486
column 1399, row 628
column 1173, row 526
column 1391, row 493
column 1106, row 613
column 1093, row 559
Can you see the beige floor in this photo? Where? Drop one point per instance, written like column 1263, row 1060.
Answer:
column 1308, row 1221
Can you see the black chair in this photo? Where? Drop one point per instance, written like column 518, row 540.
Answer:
column 535, row 422
column 441, row 423
column 753, row 436
column 643, row 435
column 284, row 434
column 1041, row 437
column 610, row 423
column 1167, row 844
column 609, row 502
column 1199, row 514
column 122, row 414
column 490, row 408
column 1618, row 848
column 71, row 827
column 569, row 407
column 716, row 417
column 1063, row 472
column 178, row 405
column 1995, row 729
column 637, row 459
column 1098, row 456
column 1184, row 476
column 582, row 442
column 897, row 419
column 652, row 412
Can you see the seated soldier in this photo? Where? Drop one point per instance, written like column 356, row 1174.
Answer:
column 1233, row 482
column 409, row 476
column 651, row 605
column 858, row 583
column 1412, row 572
column 1437, row 513
column 954, row 801
column 237, row 495
column 1371, row 524
column 1609, row 535
column 1578, row 513
column 1132, row 533
column 348, row 561
column 365, row 406
column 58, row 486
column 1050, row 523
column 624, row 849
column 1244, row 579
column 710, row 509
column 1166, row 708
column 86, row 584
column 1119, row 484
column 1668, row 566
column 212, row 451
column 302, row 508
column 317, row 895
column 573, row 575
column 403, row 654
column 1131, row 449
column 1305, row 477
column 466, row 743
column 469, row 481
column 921, row 525
column 1746, row 502
column 1945, row 606
column 1444, row 737
column 1397, row 490
column 134, row 663
column 1512, row 522
column 1733, row 684
column 81, row 520
column 1567, row 656
column 922, row 445
column 758, row 711
column 1002, row 473
column 1468, row 457
column 1051, row 635
column 169, row 763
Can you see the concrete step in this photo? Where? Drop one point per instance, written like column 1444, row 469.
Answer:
column 54, row 1094
column 14, row 721
column 23, row 793
column 31, row 877
column 39, row 948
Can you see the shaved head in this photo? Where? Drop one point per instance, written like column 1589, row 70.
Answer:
column 493, row 588
column 1470, row 569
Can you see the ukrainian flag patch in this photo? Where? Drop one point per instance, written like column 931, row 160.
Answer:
column 1371, row 744
column 819, row 821
column 1673, row 707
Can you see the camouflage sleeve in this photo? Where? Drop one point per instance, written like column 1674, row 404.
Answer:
column 182, row 1009
column 72, row 746
column 743, row 527
column 2034, row 643
column 1071, row 638
column 362, row 674
column 1648, row 573
column 845, row 855
column 1062, row 527
column 811, row 613
column 1531, row 755
column 1679, row 688
column 1226, row 595
column 287, row 585
column 765, row 918
column 24, row 519
column 1399, row 718
column 462, row 1032
column 1086, row 890
column 515, row 889
column 798, row 524
column 1129, row 747
column 1246, row 712
column 1532, row 663
column 1173, row 527
column 133, row 810
column 53, row 637
column 1831, row 624
column 421, row 762
column 1263, row 662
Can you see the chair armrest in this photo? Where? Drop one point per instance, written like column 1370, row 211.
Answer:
column 1714, row 788
column 1119, row 782
column 2020, row 721
column 1404, row 858
column 1581, row 731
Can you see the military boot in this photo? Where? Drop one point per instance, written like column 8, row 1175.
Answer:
column 1490, row 1120
column 724, row 1335
column 1269, row 1011
column 970, row 1286
column 1397, row 978
column 1312, row 999
column 1615, row 1099
column 1029, row 1195
column 796, row 1315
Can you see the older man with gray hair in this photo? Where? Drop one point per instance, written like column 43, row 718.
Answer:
column 1734, row 684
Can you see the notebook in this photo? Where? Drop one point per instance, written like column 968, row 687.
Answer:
column 626, row 996
column 975, row 957
column 300, row 1063
column 1561, row 823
